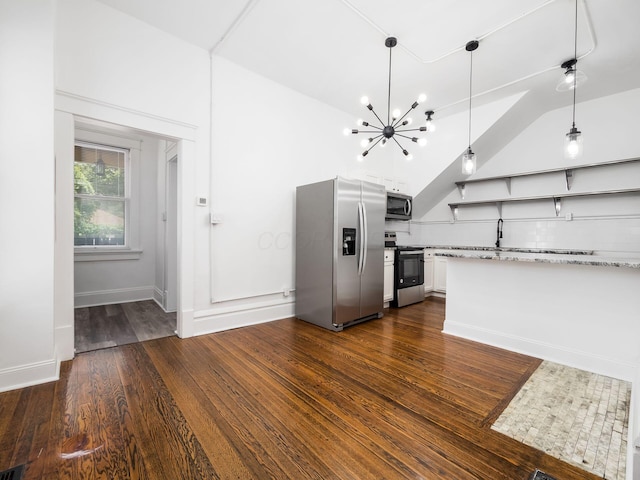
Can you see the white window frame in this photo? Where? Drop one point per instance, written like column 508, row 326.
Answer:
column 130, row 250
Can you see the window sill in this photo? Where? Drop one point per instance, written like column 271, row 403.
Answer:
column 101, row 254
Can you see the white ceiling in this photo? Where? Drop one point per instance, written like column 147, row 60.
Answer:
column 333, row 50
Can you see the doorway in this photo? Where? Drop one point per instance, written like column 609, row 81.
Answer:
column 124, row 291
column 69, row 112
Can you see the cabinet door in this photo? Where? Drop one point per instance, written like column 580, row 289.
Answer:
column 440, row 274
column 428, row 274
column 388, row 281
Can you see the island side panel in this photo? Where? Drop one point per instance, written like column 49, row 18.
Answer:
column 583, row 316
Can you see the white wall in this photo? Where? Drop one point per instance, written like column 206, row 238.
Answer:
column 104, row 280
column 608, row 224
column 26, row 194
column 116, row 69
column 267, row 139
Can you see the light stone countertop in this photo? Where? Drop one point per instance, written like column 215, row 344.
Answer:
column 528, row 256
column 513, row 249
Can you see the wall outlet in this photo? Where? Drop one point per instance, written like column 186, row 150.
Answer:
column 216, row 218
column 568, row 216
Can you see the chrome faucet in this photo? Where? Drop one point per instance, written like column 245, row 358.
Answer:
column 499, row 232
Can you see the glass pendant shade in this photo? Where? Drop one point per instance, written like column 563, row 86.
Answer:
column 573, row 144
column 468, row 162
column 571, row 78
column 100, row 168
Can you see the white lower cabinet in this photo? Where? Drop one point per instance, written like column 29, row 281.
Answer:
column 440, row 274
column 435, row 273
column 428, row 273
column 388, row 275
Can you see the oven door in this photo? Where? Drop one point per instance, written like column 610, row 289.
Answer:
column 409, row 268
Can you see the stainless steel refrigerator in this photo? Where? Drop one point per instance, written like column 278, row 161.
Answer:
column 339, row 252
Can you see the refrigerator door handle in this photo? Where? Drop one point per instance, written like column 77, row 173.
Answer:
column 361, row 231
column 364, row 237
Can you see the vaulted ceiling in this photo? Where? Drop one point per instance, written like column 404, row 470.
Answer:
column 333, row 50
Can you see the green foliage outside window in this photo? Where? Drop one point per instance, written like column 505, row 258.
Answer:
column 99, row 203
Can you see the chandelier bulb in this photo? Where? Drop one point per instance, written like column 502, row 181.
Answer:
column 422, row 98
column 422, row 142
column 396, row 113
column 364, row 100
column 365, row 141
column 347, row 131
column 409, row 157
column 383, row 143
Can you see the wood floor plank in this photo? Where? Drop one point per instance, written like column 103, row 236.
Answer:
column 106, row 326
column 390, row 398
column 176, row 452
column 148, row 320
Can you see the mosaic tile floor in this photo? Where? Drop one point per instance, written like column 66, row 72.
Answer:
column 576, row 416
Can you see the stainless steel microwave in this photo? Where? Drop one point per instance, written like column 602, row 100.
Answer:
column 399, row 206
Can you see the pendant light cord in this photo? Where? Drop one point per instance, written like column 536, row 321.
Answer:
column 470, row 77
column 389, row 91
column 575, row 56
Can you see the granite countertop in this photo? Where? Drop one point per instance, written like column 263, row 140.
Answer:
column 515, row 255
column 555, row 251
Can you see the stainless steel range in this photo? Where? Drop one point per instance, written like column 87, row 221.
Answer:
column 409, row 275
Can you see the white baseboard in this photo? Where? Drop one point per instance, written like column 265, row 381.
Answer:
column 29, row 375
column 119, row 295
column 588, row 361
column 65, row 342
column 212, row 321
column 158, row 296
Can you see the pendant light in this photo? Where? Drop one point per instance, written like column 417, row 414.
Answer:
column 573, row 140
column 571, row 77
column 99, row 166
column 431, row 127
column 469, row 158
column 392, row 129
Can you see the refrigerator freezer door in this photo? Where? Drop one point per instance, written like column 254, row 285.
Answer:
column 372, row 278
column 346, row 278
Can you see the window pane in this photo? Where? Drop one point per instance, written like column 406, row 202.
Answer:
column 98, row 221
column 99, row 171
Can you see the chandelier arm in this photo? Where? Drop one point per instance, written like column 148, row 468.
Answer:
column 408, row 111
column 374, row 144
column 419, row 129
column 403, row 136
column 379, row 119
column 398, row 143
column 378, row 129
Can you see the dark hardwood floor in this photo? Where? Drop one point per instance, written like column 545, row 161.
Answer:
column 386, row 399
column 107, row 326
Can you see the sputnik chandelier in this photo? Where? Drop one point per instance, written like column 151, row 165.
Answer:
column 394, row 126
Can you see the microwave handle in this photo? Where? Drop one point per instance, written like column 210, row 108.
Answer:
column 407, row 207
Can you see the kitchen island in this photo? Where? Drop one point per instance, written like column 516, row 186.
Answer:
column 579, row 310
